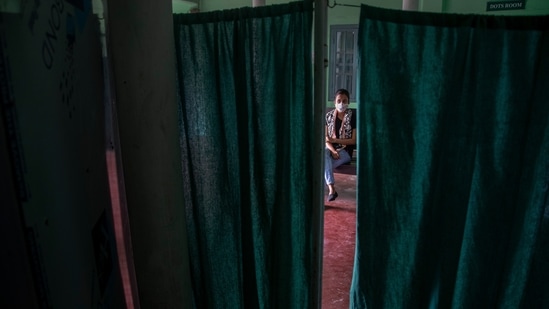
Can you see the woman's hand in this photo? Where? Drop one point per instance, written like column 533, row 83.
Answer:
column 335, row 155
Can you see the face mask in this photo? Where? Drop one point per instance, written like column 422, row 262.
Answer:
column 341, row 107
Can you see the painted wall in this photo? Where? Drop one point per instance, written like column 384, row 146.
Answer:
column 182, row 6
column 214, row 5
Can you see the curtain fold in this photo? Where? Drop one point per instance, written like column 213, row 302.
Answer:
column 245, row 81
column 452, row 208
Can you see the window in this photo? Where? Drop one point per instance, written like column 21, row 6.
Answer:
column 343, row 59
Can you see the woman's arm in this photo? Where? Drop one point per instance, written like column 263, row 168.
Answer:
column 343, row 141
column 329, row 145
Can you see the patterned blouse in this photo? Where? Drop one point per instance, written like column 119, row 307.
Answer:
column 341, row 129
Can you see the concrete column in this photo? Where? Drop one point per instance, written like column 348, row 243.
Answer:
column 141, row 47
column 410, row 5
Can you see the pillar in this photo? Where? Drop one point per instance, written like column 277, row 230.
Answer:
column 146, row 109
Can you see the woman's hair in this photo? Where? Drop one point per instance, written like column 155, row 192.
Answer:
column 342, row 91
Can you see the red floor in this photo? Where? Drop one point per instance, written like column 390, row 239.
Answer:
column 339, row 241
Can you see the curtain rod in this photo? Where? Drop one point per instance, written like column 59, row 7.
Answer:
column 336, row 4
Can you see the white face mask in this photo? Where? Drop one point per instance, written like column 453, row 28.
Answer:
column 341, row 107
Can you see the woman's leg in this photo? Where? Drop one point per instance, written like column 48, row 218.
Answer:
column 329, row 165
column 344, row 158
column 328, row 168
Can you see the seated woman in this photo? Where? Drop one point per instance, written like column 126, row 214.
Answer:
column 340, row 133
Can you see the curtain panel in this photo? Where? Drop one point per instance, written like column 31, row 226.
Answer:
column 453, row 183
column 244, row 86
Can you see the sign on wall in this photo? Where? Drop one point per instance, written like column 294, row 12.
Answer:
column 506, row 5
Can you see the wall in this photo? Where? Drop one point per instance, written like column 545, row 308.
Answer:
column 214, row 5
column 182, row 6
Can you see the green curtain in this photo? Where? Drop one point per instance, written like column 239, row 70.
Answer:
column 244, row 82
column 453, row 167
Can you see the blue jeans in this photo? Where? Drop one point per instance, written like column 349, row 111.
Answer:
column 330, row 163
